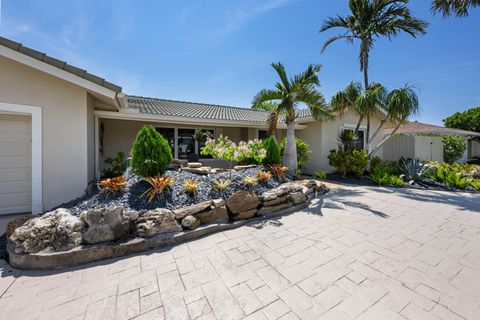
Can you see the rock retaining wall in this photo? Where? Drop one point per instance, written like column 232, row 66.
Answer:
column 59, row 239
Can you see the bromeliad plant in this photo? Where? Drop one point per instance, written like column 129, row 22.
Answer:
column 263, row 176
column 157, row 186
column 278, row 172
column 250, row 181
column 191, row 187
column 221, row 185
column 111, row 186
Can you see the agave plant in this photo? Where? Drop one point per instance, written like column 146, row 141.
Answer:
column 414, row 171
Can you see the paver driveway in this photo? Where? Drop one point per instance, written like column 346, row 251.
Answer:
column 359, row 253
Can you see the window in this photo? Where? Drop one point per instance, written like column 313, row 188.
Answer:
column 262, row 134
column 360, row 144
column 169, row 135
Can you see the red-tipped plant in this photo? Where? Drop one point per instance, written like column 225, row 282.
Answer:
column 111, row 186
column 157, row 186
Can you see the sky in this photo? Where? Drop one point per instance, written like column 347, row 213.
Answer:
column 220, row 52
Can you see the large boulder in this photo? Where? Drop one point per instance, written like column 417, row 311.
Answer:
column 275, row 201
column 242, row 201
column 56, row 230
column 156, row 221
column 106, row 224
column 213, row 215
column 191, row 210
column 17, row 222
column 297, row 197
column 245, row 214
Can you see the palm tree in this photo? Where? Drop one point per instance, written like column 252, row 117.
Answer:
column 273, row 117
column 401, row 104
column 287, row 95
column 363, row 102
column 369, row 20
column 458, row 8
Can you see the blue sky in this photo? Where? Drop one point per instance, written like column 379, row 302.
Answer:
column 221, row 51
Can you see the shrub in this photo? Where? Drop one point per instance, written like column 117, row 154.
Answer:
column 320, row 174
column 380, row 177
column 414, row 171
column 273, row 151
column 456, row 180
column 352, row 162
column 264, row 176
column 475, row 184
column 157, row 186
column 116, row 165
column 453, row 148
column 278, row 172
column 221, row 185
column 191, row 187
column 391, row 167
column 250, row 181
column 303, row 151
column 151, row 153
column 111, row 186
column 396, row 181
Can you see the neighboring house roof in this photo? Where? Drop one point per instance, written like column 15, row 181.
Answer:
column 58, row 64
column 173, row 108
column 415, row 127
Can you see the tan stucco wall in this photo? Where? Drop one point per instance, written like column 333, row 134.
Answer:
column 64, row 122
column 322, row 137
column 91, row 137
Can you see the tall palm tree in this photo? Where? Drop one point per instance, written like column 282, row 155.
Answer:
column 369, row 20
column 363, row 102
column 458, row 8
column 273, row 117
column 287, row 95
column 401, row 104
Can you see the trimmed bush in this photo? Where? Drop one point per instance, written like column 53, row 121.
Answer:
column 453, row 148
column 273, row 151
column 353, row 162
column 151, row 153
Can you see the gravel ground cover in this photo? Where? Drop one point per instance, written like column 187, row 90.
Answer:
column 175, row 196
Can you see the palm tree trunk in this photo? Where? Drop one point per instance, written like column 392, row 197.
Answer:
column 382, row 123
column 360, row 120
column 290, row 152
column 365, row 79
column 383, row 141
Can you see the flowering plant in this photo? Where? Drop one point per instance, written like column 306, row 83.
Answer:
column 226, row 149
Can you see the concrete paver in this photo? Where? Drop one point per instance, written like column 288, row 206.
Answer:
column 357, row 253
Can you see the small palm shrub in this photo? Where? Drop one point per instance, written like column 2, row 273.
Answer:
column 221, row 185
column 381, row 177
column 111, row 186
column 250, row 181
column 157, row 186
column 456, row 180
column 191, row 187
column 278, row 172
column 273, row 151
column 475, row 184
column 320, row 174
column 349, row 162
column 151, row 153
column 263, row 176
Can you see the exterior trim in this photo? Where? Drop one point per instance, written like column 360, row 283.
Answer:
column 36, row 114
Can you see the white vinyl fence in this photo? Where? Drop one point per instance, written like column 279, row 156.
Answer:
column 422, row 147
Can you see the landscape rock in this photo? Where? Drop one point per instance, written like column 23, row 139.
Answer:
column 191, row 210
column 201, row 170
column 266, row 210
column 157, row 221
column 281, row 190
column 298, row 197
column 194, row 164
column 245, row 214
column 275, row 201
column 190, row 222
column 475, row 173
column 17, row 222
column 213, row 215
column 132, row 215
column 105, row 224
column 242, row 201
column 218, row 202
column 56, row 230
column 238, row 168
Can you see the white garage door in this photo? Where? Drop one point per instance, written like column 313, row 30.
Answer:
column 15, row 164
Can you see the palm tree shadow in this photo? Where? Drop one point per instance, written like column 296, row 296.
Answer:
column 342, row 199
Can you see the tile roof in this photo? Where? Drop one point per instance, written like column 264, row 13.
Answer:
column 175, row 108
column 419, row 127
column 58, row 63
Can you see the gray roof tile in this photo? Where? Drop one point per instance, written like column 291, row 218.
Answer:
column 58, row 64
column 187, row 109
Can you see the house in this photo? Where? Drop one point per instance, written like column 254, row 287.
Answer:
column 424, row 141
column 58, row 124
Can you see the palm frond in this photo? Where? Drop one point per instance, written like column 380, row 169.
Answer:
column 403, row 103
column 280, row 68
column 265, row 95
column 459, row 8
